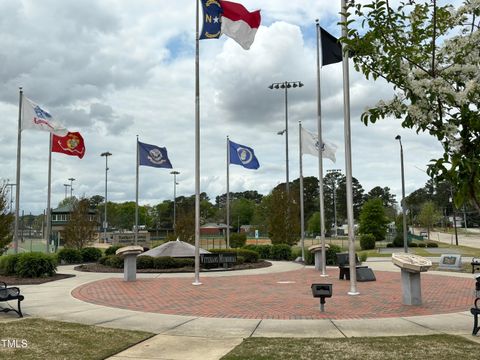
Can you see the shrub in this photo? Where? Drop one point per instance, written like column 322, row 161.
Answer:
column 163, row 262
column 144, row 262
column 414, row 245
column 422, row 245
column 398, row 240
column 36, row 264
column 91, row 254
column 69, row 256
column 309, row 256
column 281, row 252
column 264, row 251
column 103, row 260
column 237, row 240
column 363, row 257
column 183, row 262
column 331, row 255
column 240, row 260
column 114, row 261
column 390, row 245
column 8, row 264
column 367, row 241
column 111, row 250
column 432, row 245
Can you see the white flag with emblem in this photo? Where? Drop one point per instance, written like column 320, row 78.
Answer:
column 310, row 146
column 34, row 117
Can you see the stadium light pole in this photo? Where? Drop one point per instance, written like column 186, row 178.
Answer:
column 405, row 239
column 105, row 224
column 71, row 186
column 174, row 173
column 285, row 86
column 66, row 186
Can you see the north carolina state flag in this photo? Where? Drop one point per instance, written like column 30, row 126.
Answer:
column 70, row 144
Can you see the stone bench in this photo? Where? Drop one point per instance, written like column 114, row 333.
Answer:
column 8, row 294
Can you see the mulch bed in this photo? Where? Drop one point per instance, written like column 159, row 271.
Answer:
column 106, row 269
column 14, row 280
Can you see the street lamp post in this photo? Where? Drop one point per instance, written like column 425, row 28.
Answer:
column 404, row 208
column 286, row 85
column 174, row 173
column 71, row 186
column 105, row 224
column 334, row 199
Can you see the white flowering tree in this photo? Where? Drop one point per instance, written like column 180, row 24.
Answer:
column 431, row 55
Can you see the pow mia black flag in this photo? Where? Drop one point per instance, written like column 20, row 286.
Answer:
column 331, row 48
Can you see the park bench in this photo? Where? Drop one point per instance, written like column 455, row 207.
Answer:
column 475, row 264
column 344, row 265
column 8, row 294
column 475, row 312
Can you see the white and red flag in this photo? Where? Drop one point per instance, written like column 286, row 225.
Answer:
column 240, row 24
column 34, row 117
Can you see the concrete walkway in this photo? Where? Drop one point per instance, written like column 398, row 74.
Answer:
column 194, row 337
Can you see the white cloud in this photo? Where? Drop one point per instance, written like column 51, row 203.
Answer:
column 115, row 69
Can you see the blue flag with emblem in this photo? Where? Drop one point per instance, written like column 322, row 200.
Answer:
column 152, row 155
column 243, row 155
column 212, row 25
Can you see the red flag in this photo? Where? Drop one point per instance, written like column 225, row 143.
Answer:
column 70, row 144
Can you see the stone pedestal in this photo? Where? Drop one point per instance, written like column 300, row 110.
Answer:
column 412, row 289
column 130, row 267
column 317, row 253
column 129, row 254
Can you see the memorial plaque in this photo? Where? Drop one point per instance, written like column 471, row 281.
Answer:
column 450, row 262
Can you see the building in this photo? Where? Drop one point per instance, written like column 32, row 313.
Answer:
column 59, row 219
column 213, row 229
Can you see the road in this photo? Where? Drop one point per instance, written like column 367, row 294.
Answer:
column 471, row 238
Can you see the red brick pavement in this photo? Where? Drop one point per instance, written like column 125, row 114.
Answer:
column 279, row 296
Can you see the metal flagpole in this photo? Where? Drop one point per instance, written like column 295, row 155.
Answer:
column 197, row 150
column 49, row 196
column 320, row 157
column 136, row 198
column 348, row 161
column 302, row 213
column 228, row 193
column 17, row 185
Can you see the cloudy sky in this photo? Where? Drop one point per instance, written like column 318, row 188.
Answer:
column 114, row 69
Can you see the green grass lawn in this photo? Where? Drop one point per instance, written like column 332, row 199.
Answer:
column 438, row 347
column 47, row 339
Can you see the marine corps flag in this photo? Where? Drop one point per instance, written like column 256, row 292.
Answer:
column 71, row 144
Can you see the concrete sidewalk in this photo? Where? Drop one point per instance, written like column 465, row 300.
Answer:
column 192, row 337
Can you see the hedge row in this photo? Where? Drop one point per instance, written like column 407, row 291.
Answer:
column 149, row 262
column 412, row 244
column 74, row 256
column 33, row 265
column 272, row 252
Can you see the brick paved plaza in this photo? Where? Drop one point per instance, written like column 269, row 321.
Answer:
column 285, row 295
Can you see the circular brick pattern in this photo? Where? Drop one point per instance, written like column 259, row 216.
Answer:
column 279, row 296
